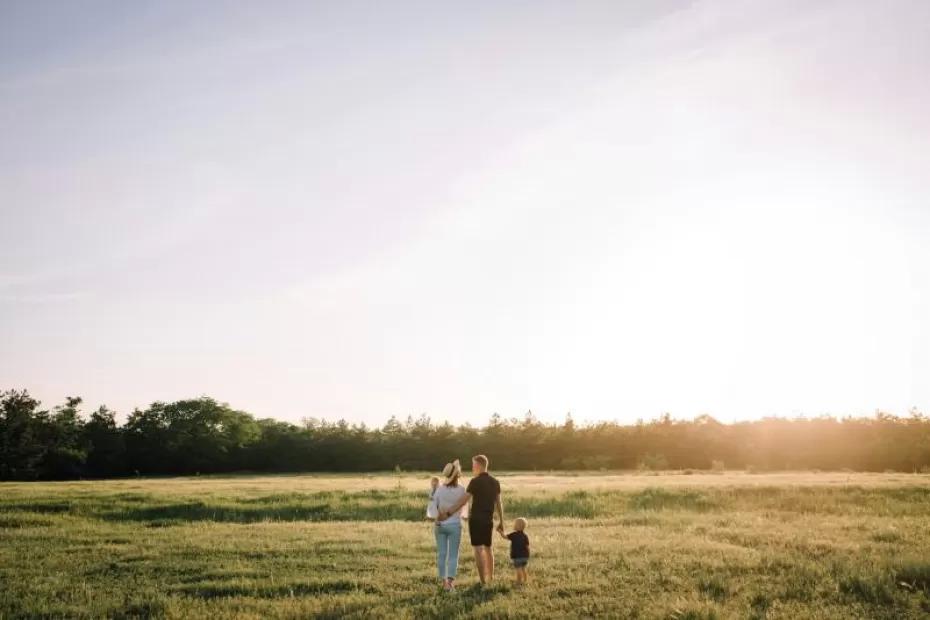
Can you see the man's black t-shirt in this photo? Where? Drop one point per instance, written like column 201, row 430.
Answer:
column 519, row 545
column 484, row 490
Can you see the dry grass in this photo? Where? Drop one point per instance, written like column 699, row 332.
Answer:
column 519, row 483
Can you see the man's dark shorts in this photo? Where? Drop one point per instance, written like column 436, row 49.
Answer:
column 480, row 532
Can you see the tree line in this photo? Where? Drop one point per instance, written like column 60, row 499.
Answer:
column 202, row 435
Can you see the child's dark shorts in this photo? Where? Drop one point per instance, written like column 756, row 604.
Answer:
column 520, row 562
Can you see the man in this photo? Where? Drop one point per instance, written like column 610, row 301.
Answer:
column 484, row 491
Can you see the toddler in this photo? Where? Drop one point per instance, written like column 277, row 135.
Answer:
column 519, row 549
column 431, row 510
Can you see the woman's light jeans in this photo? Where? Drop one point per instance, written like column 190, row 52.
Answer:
column 448, row 538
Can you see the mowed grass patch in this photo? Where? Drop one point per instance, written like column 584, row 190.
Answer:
column 764, row 550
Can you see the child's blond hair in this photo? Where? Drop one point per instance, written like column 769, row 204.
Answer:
column 519, row 524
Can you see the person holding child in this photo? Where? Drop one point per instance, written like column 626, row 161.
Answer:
column 449, row 509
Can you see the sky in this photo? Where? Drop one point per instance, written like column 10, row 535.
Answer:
column 364, row 209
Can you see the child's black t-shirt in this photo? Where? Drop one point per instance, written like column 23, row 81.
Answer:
column 519, row 545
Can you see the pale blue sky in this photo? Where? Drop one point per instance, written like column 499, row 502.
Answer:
column 360, row 209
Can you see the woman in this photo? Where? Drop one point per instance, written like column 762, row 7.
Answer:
column 449, row 531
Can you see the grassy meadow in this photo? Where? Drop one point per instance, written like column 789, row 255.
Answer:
column 730, row 545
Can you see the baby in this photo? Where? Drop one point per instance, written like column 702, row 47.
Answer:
column 519, row 549
column 431, row 510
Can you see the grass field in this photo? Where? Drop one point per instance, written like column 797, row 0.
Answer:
column 733, row 545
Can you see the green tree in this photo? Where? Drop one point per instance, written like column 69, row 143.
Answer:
column 189, row 436
column 65, row 449
column 21, row 429
column 106, row 445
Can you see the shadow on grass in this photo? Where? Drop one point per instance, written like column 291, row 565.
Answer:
column 134, row 567
column 133, row 497
column 23, row 520
column 226, row 590
column 172, row 514
column 143, row 609
column 371, row 494
column 50, row 507
column 214, row 576
column 452, row 604
column 339, row 506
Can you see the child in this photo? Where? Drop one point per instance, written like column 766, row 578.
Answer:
column 431, row 510
column 519, row 549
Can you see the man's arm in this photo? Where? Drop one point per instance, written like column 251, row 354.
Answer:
column 499, row 509
column 458, row 506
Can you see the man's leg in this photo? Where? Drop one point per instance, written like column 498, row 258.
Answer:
column 490, row 570
column 479, row 561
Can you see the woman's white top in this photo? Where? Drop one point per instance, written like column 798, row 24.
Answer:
column 446, row 497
